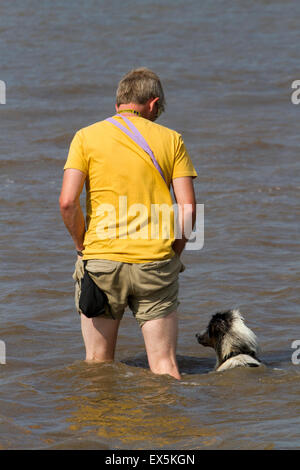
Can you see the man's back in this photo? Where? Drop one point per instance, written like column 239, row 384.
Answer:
column 125, row 192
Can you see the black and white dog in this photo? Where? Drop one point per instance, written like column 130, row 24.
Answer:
column 235, row 344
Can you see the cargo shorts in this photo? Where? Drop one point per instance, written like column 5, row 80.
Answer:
column 150, row 290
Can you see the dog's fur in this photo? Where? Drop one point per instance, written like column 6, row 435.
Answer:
column 234, row 343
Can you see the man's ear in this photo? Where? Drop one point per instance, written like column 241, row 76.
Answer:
column 152, row 102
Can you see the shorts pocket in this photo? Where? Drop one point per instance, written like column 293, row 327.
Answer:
column 159, row 265
column 79, row 270
column 182, row 266
column 101, row 266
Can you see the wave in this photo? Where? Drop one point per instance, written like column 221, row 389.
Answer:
column 62, row 140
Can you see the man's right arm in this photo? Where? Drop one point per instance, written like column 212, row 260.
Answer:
column 69, row 202
column 184, row 194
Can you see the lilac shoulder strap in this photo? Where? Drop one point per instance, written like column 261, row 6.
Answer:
column 137, row 137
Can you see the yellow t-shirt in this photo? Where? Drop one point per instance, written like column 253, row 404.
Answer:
column 127, row 200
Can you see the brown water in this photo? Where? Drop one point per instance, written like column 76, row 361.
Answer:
column 227, row 69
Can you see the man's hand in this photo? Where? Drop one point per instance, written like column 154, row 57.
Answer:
column 69, row 202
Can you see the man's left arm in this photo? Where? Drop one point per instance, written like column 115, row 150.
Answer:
column 70, row 208
column 184, row 194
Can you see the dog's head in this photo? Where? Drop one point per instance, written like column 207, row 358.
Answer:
column 219, row 325
column 227, row 334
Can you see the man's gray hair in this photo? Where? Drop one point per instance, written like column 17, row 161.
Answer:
column 138, row 86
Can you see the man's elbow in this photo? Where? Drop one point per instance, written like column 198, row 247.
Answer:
column 188, row 212
column 192, row 212
column 67, row 204
column 189, row 208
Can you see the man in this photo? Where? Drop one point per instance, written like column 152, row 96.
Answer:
column 128, row 254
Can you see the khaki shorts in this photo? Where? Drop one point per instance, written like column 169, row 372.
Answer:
column 150, row 290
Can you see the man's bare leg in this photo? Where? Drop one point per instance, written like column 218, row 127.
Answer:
column 160, row 338
column 100, row 337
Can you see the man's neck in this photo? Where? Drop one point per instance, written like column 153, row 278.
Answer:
column 145, row 110
column 131, row 109
column 129, row 112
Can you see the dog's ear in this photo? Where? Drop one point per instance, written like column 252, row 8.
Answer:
column 218, row 327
